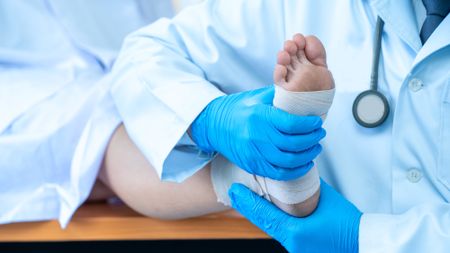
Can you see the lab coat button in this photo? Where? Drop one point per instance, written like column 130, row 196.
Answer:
column 414, row 175
column 415, row 84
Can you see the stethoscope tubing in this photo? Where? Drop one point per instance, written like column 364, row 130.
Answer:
column 376, row 54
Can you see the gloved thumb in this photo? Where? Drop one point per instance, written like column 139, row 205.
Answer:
column 259, row 211
column 265, row 95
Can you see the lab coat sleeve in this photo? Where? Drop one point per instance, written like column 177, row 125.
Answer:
column 424, row 228
column 170, row 70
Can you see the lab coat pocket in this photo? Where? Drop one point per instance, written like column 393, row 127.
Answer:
column 444, row 148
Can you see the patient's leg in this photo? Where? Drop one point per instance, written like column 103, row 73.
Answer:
column 100, row 192
column 304, row 86
column 301, row 68
column 126, row 171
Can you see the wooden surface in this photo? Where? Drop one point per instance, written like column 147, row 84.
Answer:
column 118, row 222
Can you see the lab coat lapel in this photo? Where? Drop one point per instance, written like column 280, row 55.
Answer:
column 399, row 15
column 440, row 38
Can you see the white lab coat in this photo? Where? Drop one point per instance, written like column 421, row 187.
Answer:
column 398, row 174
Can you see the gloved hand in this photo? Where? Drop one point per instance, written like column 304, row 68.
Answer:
column 332, row 227
column 261, row 139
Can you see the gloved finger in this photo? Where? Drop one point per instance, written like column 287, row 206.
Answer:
column 263, row 95
column 260, row 212
column 330, row 195
column 287, row 160
column 283, row 174
column 293, row 124
column 295, row 143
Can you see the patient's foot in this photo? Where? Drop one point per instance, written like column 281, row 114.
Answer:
column 302, row 67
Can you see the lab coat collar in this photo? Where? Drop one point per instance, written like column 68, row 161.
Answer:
column 439, row 39
column 400, row 16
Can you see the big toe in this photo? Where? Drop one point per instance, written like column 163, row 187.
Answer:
column 315, row 51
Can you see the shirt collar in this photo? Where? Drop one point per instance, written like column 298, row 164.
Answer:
column 439, row 39
column 399, row 15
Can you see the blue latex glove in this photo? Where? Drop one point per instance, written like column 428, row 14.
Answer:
column 332, row 227
column 261, row 139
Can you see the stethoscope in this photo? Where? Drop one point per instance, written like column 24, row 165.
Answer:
column 371, row 108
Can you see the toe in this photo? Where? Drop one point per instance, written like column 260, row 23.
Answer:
column 300, row 41
column 283, row 58
column 315, row 51
column 290, row 47
column 279, row 74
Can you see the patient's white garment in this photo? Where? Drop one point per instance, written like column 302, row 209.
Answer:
column 56, row 116
column 224, row 173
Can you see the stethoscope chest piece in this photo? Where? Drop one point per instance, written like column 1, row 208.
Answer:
column 370, row 108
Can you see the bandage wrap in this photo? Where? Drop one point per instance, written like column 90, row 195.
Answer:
column 299, row 103
column 224, row 173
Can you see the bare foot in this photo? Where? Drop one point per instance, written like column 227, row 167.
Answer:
column 302, row 67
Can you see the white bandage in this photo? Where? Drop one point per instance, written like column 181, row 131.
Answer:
column 291, row 192
column 304, row 103
column 299, row 103
column 224, row 173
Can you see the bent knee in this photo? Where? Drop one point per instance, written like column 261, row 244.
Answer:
column 133, row 179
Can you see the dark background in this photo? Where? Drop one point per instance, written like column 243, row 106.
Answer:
column 210, row 246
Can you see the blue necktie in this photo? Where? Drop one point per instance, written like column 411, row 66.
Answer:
column 436, row 12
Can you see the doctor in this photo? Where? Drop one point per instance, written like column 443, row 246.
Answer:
column 391, row 182
column 334, row 225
